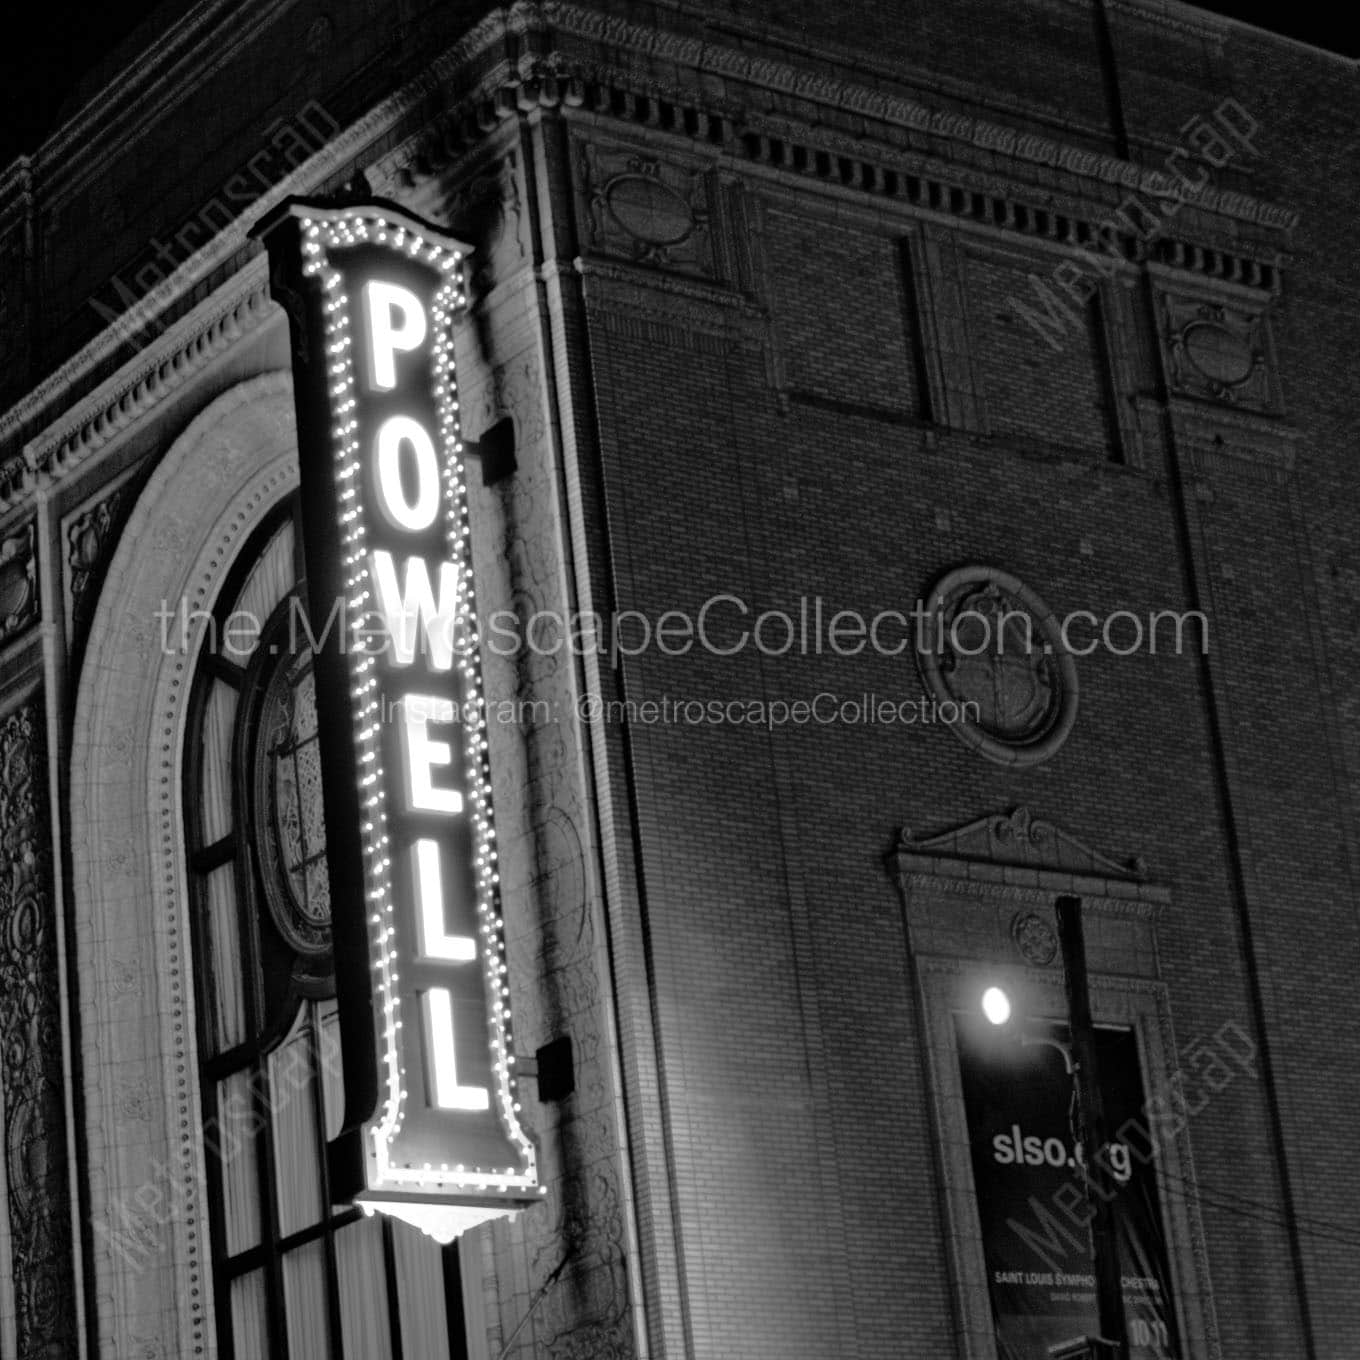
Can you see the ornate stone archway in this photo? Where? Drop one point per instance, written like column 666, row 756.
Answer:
column 152, row 1285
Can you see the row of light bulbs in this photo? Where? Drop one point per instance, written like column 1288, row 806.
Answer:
column 321, row 237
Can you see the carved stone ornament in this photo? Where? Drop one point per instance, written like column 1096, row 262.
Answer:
column 992, row 650
column 18, row 582
column 487, row 209
column 645, row 210
column 30, row 1048
column 1218, row 352
column 87, row 542
column 90, row 539
column 1022, row 840
column 1034, row 938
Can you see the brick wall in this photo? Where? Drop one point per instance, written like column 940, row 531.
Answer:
column 787, row 1019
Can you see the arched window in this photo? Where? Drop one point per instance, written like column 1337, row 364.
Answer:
column 295, row 1277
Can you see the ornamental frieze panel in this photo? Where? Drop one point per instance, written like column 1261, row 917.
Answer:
column 35, row 1151
column 89, row 537
column 19, row 607
column 1017, row 839
column 513, row 390
column 574, row 1248
column 985, row 889
column 1218, row 351
column 487, row 209
column 1223, row 445
column 640, row 208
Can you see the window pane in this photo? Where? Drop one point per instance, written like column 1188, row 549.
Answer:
column 420, row 1290
column 363, row 1294
column 234, row 1141
column 304, row 1292
column 218, row 718
column 297, row 1147
column 249, row 1317
column 227, row 1017
column 294, row 1094
column 266, row 585
column 332, row 1073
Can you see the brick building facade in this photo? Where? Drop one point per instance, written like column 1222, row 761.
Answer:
column 1040, row 309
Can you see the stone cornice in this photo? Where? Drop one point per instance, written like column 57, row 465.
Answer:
column 236, row 309
column 905, row 155
column 560, row 46
column 157, row 81
column 202, row 41
column 1205, row 26
column 1199, row 25
column 1009, row 853
column 215, row 255
column 16, row 192
column 870, row 102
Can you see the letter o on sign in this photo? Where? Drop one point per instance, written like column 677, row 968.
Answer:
column 395, row 434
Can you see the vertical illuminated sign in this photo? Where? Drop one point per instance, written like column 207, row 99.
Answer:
column 431, row 1131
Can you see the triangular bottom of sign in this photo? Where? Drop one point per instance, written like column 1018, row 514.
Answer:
column 442, row 1221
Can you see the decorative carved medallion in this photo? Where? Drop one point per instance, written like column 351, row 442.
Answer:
column 1034, row 938
column 1217, row 352
column 645, row 210
column 990, row 646
column 18, row 582
column 35, row 1151
column 126, row 980
column 133, row 1101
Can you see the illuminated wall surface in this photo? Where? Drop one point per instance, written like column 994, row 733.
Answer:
column 791, row 494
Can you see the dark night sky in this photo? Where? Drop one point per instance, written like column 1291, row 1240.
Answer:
column 65, row 40
column 56, row 43
column 1323, row 23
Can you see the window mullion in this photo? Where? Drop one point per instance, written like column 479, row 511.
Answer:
column 247, row 854
column 328, row 1219
column 393, row 1297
